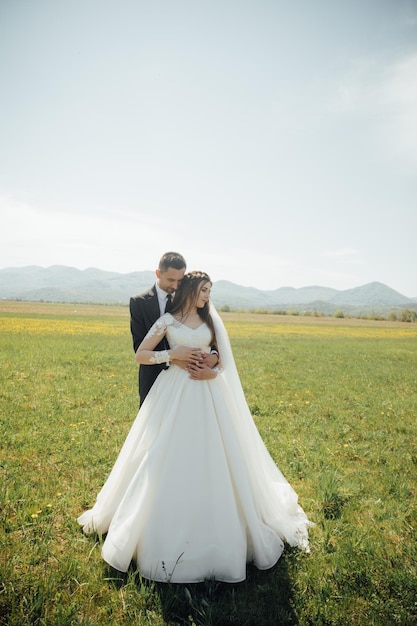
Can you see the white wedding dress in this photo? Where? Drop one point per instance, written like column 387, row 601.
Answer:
column 194, row 494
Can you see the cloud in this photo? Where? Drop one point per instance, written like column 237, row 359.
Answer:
column 341, row 253
column 114, row 242
column 385, row 94
column 399, row 99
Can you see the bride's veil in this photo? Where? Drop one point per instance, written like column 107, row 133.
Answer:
column 242, row 414
column 278, row 507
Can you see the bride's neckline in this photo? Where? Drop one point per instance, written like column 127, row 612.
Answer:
column 187, row 326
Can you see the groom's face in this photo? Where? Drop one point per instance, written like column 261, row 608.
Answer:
column 170, row 279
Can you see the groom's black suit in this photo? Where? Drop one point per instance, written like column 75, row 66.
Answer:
column 144, row 311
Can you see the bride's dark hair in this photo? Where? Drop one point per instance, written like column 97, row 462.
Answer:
column 187, row 294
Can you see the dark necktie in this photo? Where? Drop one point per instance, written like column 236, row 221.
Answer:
column 168, row 304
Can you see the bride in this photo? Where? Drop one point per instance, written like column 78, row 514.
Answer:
column 194, row 493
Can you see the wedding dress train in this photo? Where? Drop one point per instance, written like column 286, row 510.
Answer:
column 194, row 493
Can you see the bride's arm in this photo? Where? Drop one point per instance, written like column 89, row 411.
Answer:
column 147, row 355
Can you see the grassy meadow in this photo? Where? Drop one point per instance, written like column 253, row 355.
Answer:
column 335, row 401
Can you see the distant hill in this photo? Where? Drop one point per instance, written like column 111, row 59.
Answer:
column 59, row 283
column 375, row 296
column 67, row 284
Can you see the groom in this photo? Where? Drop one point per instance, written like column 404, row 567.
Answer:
column 148, row 306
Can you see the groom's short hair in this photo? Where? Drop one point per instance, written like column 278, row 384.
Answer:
column 172, row 259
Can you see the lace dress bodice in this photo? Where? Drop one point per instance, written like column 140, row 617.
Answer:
column 178, row 334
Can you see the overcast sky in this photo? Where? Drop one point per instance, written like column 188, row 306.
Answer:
column 272, row 143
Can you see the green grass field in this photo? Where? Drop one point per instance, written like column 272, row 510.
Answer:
column 336, row 404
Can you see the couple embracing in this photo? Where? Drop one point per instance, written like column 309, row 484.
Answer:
column 194, row 493
column 147, row 307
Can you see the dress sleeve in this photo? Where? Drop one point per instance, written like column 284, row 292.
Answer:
column 159, row 328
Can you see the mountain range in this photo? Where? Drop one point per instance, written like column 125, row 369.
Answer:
column 67, row 284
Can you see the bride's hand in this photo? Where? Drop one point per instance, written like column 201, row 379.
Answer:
column 186, row 353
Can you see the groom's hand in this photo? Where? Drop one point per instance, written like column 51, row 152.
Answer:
column 200, row 371
column 211, row 360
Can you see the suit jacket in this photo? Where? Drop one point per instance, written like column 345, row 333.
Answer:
column 144, row 311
